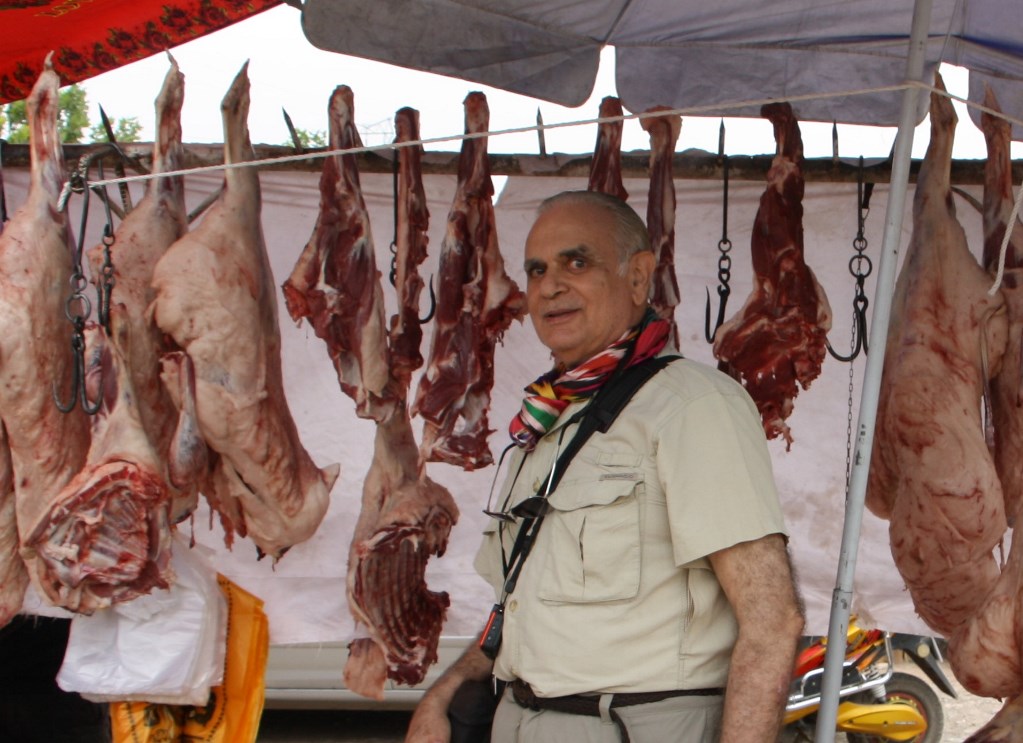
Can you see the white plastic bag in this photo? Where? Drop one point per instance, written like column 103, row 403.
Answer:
column 167, row 646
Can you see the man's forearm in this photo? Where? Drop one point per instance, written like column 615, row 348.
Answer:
column 758, row 685
column 472, row 665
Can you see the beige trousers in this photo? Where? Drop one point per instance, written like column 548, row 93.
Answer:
column 678, row 719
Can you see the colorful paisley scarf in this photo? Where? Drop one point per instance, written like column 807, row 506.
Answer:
column 549, row 395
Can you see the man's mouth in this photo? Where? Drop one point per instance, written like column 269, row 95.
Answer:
column 559, row 314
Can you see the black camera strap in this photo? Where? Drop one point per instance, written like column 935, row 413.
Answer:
column 598, row 415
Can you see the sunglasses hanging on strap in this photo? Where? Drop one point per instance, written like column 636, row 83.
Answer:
column 597, row 416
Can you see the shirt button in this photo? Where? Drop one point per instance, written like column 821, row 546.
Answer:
column 513, row 605
column 536, row 484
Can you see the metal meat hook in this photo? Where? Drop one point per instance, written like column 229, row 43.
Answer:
column 77, row 375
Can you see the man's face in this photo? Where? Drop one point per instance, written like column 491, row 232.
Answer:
column 579, row 296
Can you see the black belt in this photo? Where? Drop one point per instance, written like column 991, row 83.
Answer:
column 577, row 704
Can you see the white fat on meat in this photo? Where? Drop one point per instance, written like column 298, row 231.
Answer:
column 156, row 222
column 47, row 447
column 215, row 296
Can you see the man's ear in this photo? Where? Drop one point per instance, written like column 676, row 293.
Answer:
column 641, row 270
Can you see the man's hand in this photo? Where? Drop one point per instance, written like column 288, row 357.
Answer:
column 429, row 723
column 757, row 578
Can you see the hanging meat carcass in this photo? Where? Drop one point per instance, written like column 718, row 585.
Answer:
column 986, row 652
column 1007, row 388
column 406, row 333
column 660, row 213
column 107, row 532
column 777, row 341
column 47, row 447
column 406, row 518
column 335, row 283
column 13, row 575
column 215, row 297
column 476, row 303
column 157, row 221
column 931, row 472
column 606, row 166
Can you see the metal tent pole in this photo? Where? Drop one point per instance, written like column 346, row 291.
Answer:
column 842, row 596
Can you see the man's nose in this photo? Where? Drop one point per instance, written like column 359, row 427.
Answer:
column 551, row 283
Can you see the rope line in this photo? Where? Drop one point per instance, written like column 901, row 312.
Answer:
column 689, row 110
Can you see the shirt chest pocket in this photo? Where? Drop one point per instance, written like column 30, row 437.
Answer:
column 593, row 537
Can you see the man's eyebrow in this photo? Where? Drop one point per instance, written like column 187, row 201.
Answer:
column 578, row 251
column 531, row 263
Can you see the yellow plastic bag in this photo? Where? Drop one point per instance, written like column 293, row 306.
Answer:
column 234, row 708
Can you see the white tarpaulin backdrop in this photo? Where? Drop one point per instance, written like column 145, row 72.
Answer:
column 305, row 591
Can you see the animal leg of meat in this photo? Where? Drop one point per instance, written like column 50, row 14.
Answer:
column 1007, row 387
column 777, row 341
column 157, row 221
column 216, row 297
column 931, row 472
column 47, row 447
column 606, row 166
column 107, row 535
column 660, row 215
column 335, row 283
column 476, row 303
column 406, row 333
column 406, row 518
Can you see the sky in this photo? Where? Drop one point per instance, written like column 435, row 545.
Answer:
column 288, row 72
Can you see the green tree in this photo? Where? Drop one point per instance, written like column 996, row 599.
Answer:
column 72, row 120
column 309, row 138
column 125, row 130
column 73, row 116
column 17, row 123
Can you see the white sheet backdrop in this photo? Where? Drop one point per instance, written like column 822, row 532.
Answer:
column 305, row 591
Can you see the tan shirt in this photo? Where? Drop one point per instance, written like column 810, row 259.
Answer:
column 617, row 594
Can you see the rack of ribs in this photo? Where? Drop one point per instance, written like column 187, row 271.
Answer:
column 405, row 519
column 777, row 341
column 107, row 534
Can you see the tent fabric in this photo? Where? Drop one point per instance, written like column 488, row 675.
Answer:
column 88, row 37
column 810, row 477
column 685, row 53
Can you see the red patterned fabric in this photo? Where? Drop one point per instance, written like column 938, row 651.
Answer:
column 88, row 37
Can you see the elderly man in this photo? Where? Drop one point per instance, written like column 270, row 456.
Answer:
column 659, row 586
